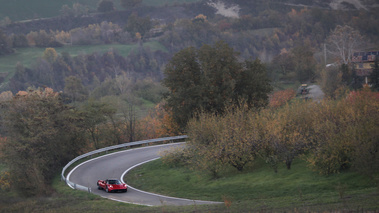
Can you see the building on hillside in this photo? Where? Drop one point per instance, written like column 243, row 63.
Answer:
column 363, row 63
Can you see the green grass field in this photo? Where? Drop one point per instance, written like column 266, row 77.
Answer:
column 18, row 10
column 27, row 56
column 260, row 188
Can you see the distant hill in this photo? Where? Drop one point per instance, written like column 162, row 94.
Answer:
column 30, row 9
column 18, row 10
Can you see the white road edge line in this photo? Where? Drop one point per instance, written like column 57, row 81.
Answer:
column 122, row 201
column 69, row 174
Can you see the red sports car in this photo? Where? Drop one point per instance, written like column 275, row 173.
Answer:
column 112, row 185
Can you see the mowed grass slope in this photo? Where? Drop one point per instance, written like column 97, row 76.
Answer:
column 261, row 188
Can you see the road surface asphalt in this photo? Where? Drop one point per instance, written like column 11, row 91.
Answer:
column 115, row 165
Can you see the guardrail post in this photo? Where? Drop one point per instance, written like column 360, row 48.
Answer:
column 89, row 190
column 74, row 185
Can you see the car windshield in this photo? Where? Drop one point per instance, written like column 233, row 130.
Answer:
column 114, row 182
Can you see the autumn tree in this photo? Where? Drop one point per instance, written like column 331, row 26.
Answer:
column 6, row 96
column 240, row 135
column 74, row 89
column 159, row 123
column 345, row 134
column 5, row 21
column 211, row 78
column 343, row 41
column 365, row 158
column 331, row 80
column 95, row 117
column 291, row 131
column 76, row 10
column 140, row 25
column 42, row 39
column 237, row 139
column 50, row 55
column 43, row 134
column 332, row 135
column 202, row 151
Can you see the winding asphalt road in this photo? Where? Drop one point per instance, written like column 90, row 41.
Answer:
column 315, row 93
column 116, row 165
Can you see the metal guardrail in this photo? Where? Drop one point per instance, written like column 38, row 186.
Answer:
column 84, row 188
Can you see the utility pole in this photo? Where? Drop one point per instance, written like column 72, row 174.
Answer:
column 325, row 54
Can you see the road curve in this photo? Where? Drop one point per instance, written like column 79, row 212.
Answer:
column 116, row 165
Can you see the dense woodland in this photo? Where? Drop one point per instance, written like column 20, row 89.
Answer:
column 268, row 32
column 218, row 78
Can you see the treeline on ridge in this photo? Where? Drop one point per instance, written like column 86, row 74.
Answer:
column 52, row 69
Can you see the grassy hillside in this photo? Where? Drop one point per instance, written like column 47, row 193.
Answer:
column 26, row 9
column 18, row 10
column 166, row 2
column 261, row 188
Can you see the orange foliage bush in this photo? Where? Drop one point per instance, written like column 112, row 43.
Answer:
column 347, row 133
column 159, row 123
column 280, row 98
column 363, row 96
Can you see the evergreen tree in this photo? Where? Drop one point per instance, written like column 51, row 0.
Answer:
column 105, row 6
column 211, row 78
column 5, row 44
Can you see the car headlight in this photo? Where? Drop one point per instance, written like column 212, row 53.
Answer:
column 110, row 186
